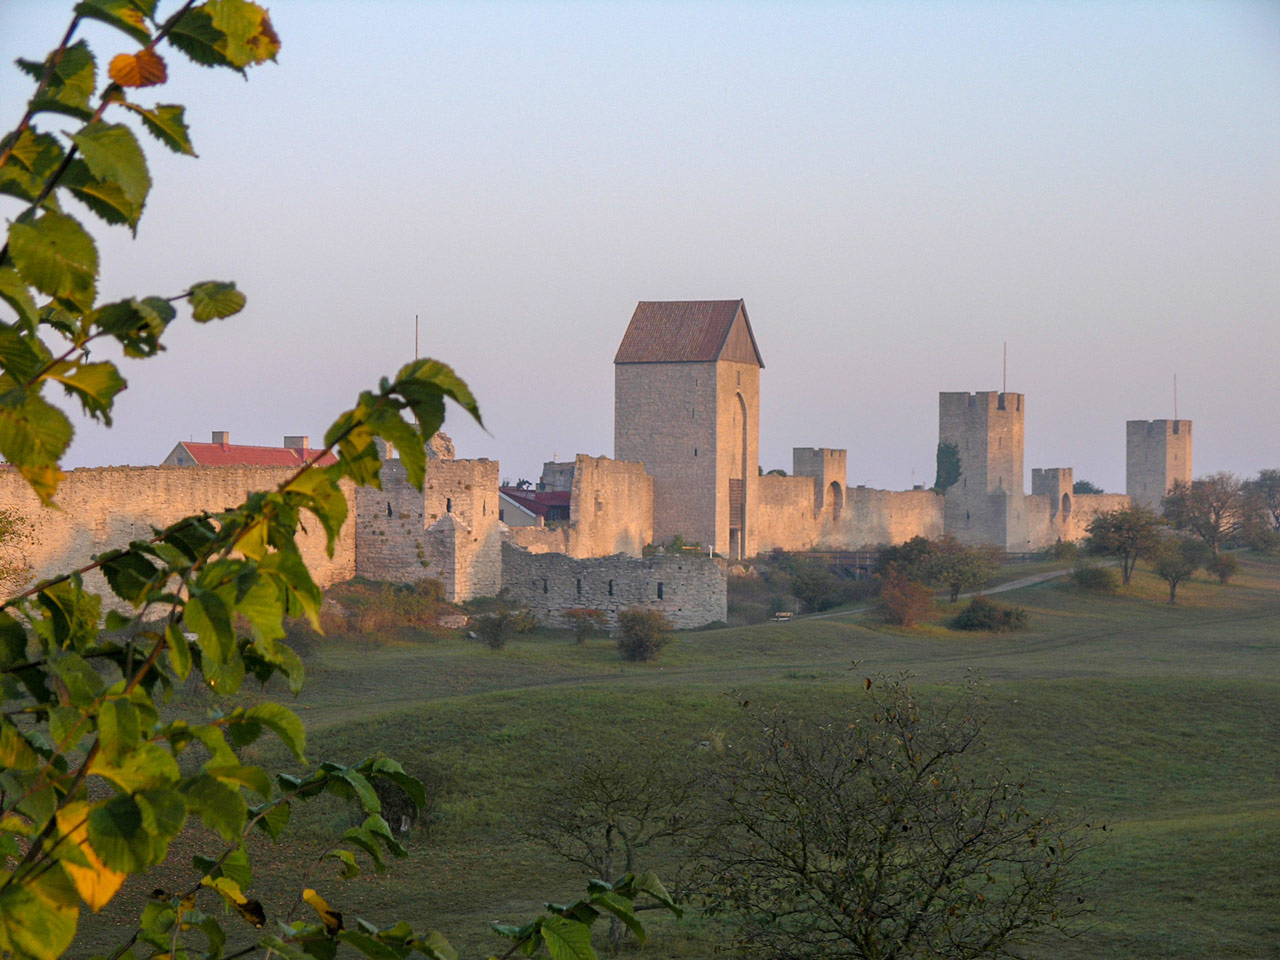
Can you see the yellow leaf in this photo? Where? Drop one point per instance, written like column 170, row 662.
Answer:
column 97, row 883
column 331, row 919
column 142, row 69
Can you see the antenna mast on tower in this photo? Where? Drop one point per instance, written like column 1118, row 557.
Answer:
column 1004, row 379
column 1175, row 397
column 415, row 336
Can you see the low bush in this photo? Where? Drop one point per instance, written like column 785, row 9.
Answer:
column 1224, row 566
column 1064, row 550
column 584, row 621
column 1262, row 539
column 642, row 633
column 903, row 601
column 984, row 614
column 494, row 629
column 524, row 621
column 1086, row 576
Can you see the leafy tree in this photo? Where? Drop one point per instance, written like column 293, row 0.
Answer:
column 1262, row 499
column 957, row 567
column 620, row 811
column 1177, row 559
column 1223, row 566
column 884, row 833
column 1126, row 533
column 911, row 558
column 495, row 629
column 83, row 676
column 585, row 621
column 948, row 467
column 814, row 585
column 642, row 633
column 1211, row 508
column 1084, row 486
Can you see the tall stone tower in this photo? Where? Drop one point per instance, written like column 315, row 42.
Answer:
column 987, row 504
column 1157, row 453
column 687, row 405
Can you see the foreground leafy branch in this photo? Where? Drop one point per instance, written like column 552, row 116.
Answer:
column 95, row 780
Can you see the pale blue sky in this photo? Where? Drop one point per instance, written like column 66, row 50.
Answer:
column 894, row 188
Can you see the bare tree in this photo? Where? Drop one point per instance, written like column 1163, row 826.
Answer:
column 1211, row 508
column 624, row 811
column 879, row 835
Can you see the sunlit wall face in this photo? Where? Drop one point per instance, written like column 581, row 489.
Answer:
column 895, row 189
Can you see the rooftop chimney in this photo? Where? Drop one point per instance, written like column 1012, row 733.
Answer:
column 222, row 437
column 297, row 443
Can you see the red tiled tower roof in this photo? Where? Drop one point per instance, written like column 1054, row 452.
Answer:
column 689, row 331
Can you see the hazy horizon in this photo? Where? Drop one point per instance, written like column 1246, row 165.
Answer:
column 895, row 189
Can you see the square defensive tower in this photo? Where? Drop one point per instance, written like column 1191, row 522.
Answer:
column 987, row 504
column 687, row 405
column 1157, row 453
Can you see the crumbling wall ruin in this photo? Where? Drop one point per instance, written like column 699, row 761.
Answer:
column 691, row 591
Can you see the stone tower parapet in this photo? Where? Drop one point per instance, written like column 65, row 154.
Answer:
column 829, row 469
column 1157, row 454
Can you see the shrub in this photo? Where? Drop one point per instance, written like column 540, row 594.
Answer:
column 1262, row 539
column 495, row 629
column 903, row 601
column 1223, row 566
column 1064, row 550
column 584, row 621
column 642, row 633
column 984, row 614
column 1086, row 576
column 524, row 621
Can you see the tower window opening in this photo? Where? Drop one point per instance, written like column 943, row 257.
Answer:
column 659, row 589
column 611, row 588
column 389, row 513
column 544, row 584
column 448, row 504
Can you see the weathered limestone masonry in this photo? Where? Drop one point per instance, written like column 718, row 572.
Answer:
column 872, row 517
column 686, row 405
column 988, row 504
column 691, row 591
column 449, row 531
column 1157, row 453
column 104, row 508
column 610, row 510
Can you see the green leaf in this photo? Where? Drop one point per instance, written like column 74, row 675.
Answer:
column 22, row 355
column 426, row 380
column 220, row 807
column 246, row 28
column 179, row 651
column 131, row 833
column 207, row 617
column 33, row 437
column 324, row 498
column 650, row 884
column 54, row 254
column 113, row 156
column 350, row 784
column 284, row 723
column 15, row 752
column 136, row 324
column 369, row 946
column 255, row 778
column 166, row 122
column 214, row 300
column 71, row 84
column 274, row 820
column 621, row 908
column 118, row 729
column 15, row 293
column 148, row 765
column 38, row 917
column 129, row 574
column 350, row 868
column 567, row 939
column 32, row 161
column 121, row 14
column 73, row 613
column 412, row 786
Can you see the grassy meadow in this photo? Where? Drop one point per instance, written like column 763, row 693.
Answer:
column 1161, row 722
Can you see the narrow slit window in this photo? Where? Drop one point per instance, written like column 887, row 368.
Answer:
column 389, row 508
column 579, row 586
column 611, row 588
column 448, row 504
column 659, row 589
